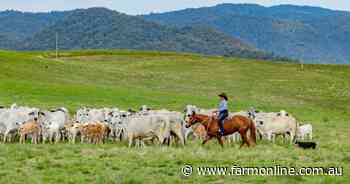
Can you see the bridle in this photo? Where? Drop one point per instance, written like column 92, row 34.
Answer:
column 207, row 122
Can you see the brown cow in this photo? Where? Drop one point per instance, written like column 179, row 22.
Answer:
column 32, row 128
column 199, row 132
column 94, row 132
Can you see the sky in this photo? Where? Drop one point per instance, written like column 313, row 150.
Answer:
column 134, row 7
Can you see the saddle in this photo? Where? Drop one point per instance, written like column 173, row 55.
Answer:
column 217, row 119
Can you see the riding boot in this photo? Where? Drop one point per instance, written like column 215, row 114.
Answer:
column 221, row 128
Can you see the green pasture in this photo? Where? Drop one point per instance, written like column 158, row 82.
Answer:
column 319, row 94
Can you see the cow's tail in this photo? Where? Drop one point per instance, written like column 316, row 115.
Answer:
column 252, row 131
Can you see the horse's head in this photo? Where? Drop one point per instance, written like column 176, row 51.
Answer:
column 192, row 119
column 189, row 110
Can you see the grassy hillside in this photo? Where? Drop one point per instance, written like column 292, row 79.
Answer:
column 320, row 94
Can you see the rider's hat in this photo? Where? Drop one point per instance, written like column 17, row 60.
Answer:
column 223, row 95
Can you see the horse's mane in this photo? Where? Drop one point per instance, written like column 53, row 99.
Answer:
column 207, row 118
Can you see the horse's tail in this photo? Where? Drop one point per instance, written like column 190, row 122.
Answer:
column 252, row 131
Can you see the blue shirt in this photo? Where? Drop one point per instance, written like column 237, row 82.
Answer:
column 223, row 106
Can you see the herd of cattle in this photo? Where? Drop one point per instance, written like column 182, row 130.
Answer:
column 90, row 125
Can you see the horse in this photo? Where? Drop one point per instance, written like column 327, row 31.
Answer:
column 233, row 124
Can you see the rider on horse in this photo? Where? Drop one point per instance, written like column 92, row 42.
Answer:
column 223, row 111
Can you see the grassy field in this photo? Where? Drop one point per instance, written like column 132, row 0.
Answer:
column 320, row 95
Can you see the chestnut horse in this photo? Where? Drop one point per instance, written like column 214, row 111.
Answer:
column 233, row 124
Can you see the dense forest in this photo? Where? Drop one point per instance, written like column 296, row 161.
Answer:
column 312, row 34
column 101, row 28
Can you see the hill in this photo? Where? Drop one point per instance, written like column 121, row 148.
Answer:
column 100, row 28
column 313, row 34
column 128, row 79
column 20, row 25
column 8, row 42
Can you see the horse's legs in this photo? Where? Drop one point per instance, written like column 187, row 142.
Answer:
column 206, row 140
column 242, row 143
column 247, row 140
column 243, row 133
column 220, row 140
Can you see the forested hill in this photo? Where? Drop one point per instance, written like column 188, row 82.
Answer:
column 8, row 42
column 313, row 34
column 101, row 28
column 19, row 25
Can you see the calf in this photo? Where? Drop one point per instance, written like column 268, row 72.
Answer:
column 304, row 130
column 73, row 130
column 30, row 128
column 94, row 132
column 199, row 132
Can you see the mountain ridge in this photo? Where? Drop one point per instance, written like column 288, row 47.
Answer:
column 312, row 34
column 101, row 28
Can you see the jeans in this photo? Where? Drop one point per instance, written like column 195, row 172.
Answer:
column 222, row 116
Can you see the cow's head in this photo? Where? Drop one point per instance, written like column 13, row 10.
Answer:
column 144, row 108
column 82, row 115
column 132, row 111
column 282, row 113
column 114, row 118
column 41, row 114
column 252, row 113
column 14, row 106
column 34, row 114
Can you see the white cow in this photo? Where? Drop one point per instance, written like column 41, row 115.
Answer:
column 175, row 119
column 148, row 126
column 85, row 115
column 91, row 115
column 11, row 119
column 304, row 130
column 176, row 122
column 116, row 120
column 53, row 123
column 176, row 125
column 235, row 137
column 269, row 125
